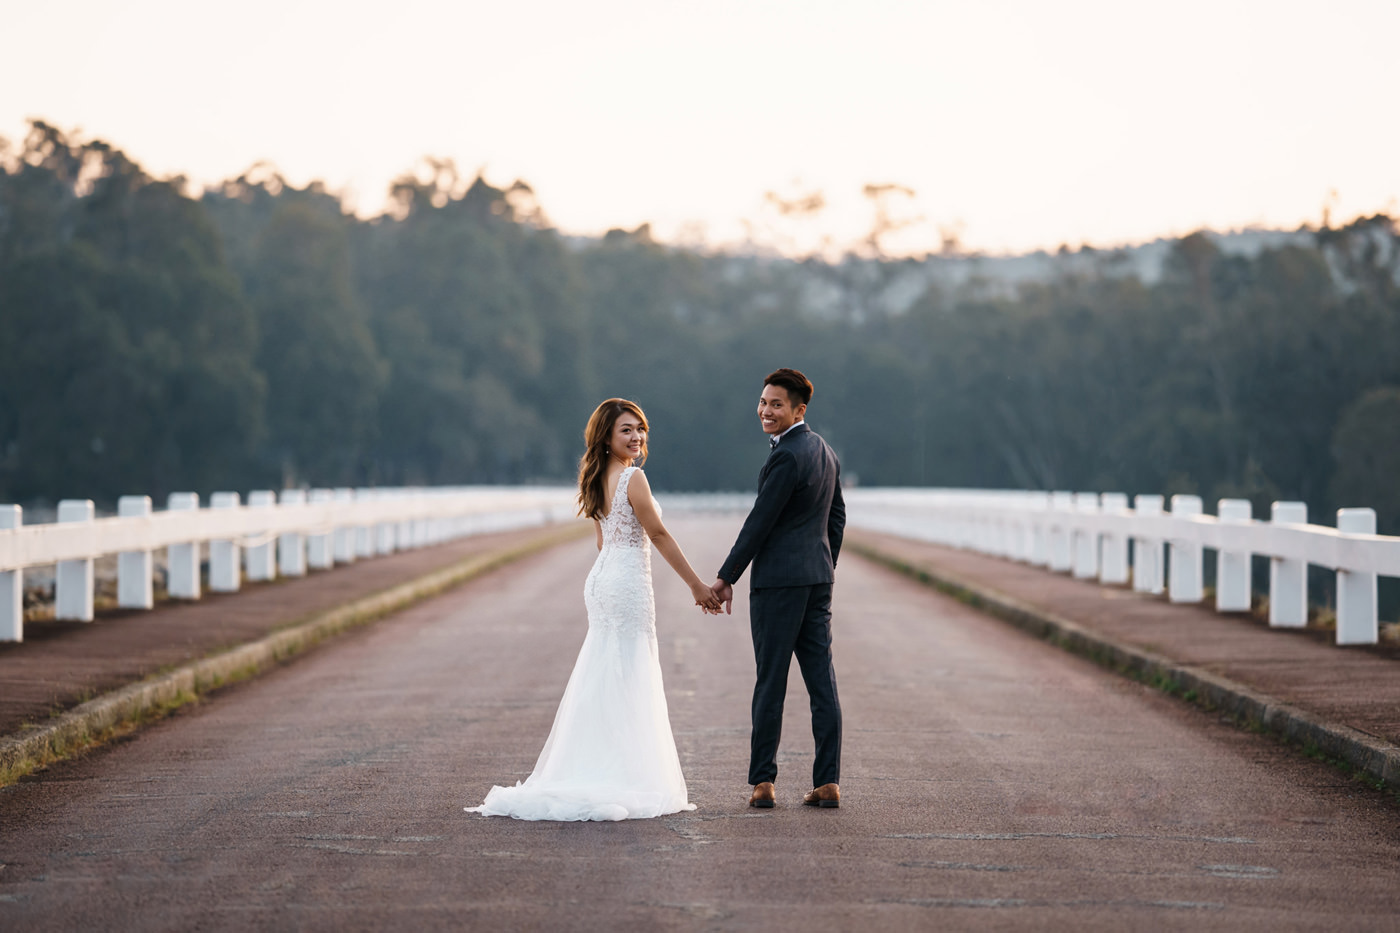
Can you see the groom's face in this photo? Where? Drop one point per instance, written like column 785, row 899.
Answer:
column 776, row 412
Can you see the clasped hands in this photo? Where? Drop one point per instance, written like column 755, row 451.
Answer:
column 711, row 598
column 705, row 598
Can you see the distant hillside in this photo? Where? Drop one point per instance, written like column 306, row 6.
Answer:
column 855, row 288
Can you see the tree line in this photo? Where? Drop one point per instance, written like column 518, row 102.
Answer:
column 260, row 335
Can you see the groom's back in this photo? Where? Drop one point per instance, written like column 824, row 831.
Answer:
column 798, row 550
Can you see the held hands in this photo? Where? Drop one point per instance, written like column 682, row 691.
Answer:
column 705, row 598
column 724, row 592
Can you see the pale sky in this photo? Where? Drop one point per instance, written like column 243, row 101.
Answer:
column 1023, row 124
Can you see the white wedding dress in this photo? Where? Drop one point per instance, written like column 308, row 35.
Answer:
column 610, row 754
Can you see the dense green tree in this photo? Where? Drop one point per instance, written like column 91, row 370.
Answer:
column 1366, row 452
column 128, row 343
column 471, row 306
column 262, row 334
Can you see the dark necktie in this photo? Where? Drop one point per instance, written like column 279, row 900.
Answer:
column 772, row 442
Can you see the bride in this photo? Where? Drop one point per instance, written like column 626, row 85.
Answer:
column 610, row 754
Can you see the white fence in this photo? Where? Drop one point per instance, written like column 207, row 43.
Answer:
column 706, row 503
column 270, row 535
column 1088, row 535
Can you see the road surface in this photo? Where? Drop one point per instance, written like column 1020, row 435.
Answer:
column 989, row 780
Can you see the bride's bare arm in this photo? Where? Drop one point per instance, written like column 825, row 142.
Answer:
column 639, row 495
column 598, row 527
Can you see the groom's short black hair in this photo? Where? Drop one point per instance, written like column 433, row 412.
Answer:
column 799, row 387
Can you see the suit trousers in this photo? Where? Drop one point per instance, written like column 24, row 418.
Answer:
column 787, row 621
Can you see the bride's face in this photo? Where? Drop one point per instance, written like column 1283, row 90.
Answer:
column 628, row 437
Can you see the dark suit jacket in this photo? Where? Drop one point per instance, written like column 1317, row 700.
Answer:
column 793, row 534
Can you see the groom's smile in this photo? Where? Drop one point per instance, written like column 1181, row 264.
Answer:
column 776, row 412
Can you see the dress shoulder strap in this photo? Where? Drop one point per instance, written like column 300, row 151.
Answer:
column 624, row 479
column 626, row 483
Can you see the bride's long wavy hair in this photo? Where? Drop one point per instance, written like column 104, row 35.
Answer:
column 593, row 465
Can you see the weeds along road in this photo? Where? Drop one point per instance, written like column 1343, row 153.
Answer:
column 989, row 780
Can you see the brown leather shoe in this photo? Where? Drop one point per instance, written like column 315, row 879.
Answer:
column 828, row 795
column 762, row 796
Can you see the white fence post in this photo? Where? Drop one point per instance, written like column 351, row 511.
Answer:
column 1185, row 585
column 135, row 589
column 345, row 534
column 258, row 559
column 224, row 575
column 1147, row 552
column 1040, row 538
column 1357, row 622
column 404, row 530
column 73, row 579
column 291, row 547
column 420, row 525
column 182, row 560
column 1233, row 586
column 1086, row 542
column 1114, row 561
column 366, row 536
column 385, row 532
column 1061, row 555
column 319, row 555
column 1023, row 533
column 1288, row 579
column 11, row 583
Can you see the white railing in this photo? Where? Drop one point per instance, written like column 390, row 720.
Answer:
column 1088, row 534
column 272, row 534
column 706, row 503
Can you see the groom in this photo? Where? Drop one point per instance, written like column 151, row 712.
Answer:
column 793, row 537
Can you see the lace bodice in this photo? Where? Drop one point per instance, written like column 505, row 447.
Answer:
column 618, row 590
column 621, row 527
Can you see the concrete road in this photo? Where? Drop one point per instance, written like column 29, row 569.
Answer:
column 989, row 781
